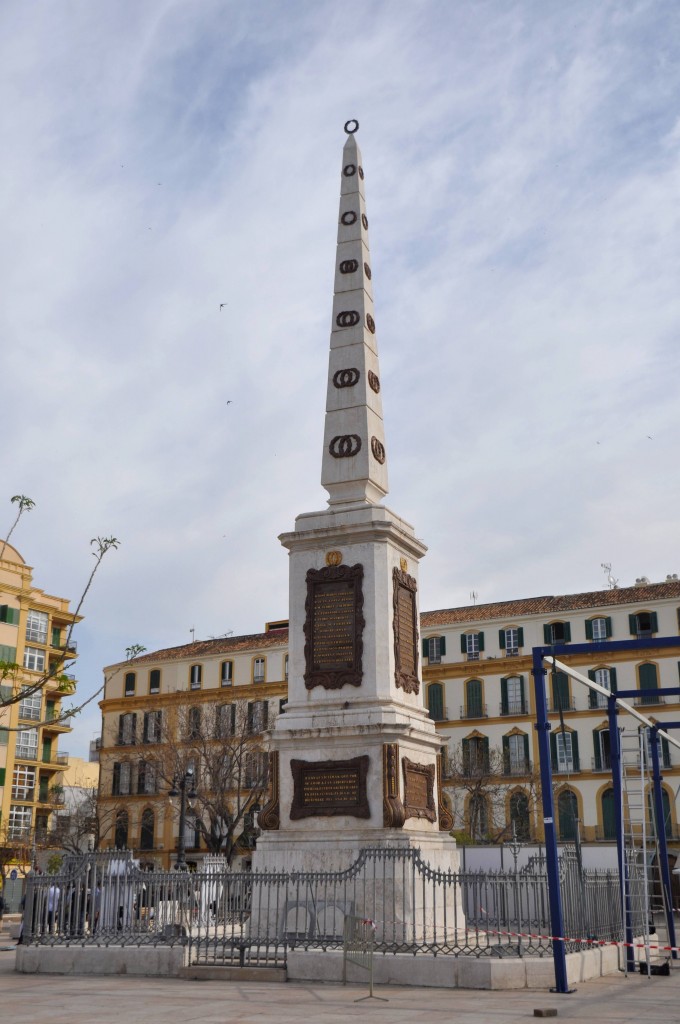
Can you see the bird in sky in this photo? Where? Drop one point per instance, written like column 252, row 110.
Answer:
column 650, row 437
column 222, row 304
column 229, row 401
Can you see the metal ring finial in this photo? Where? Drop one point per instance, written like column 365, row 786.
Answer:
column 351, row 131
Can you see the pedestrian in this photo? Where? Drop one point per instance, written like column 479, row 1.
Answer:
column 52, row 905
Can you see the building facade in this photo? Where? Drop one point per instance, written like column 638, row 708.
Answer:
column 477, row 663
column 228, row 690
column 35, row 640
column 478, row 688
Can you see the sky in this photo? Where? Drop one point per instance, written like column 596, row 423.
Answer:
column 163, row 157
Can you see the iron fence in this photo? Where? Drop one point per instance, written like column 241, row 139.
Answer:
column 254, row 918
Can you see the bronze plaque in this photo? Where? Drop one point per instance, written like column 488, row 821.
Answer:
column 419, row 790
column 405, row 626
column 328, row 788
column 334, row 627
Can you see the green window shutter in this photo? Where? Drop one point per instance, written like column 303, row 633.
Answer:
column 501, row 639
column 2, row 776
column 8, row 653
column 5, row 692
column 463, row 644
column 435, row 701
column 56, row 636
column 526, row 751
column 612, row 679
column 465, row 744
column 592, row 694
column 480, row 640
column 597, row 750
column 520, row 636
column 426, row 648
column 589, row 629
column 3, row 613
column 632, row 624
column 521, row 689
column 574, row 751
column 665, row 753
column 485, row 752
column 504, row 695
column 4, row 737
column 473, row 696
column 654, row 622
column 567, row 632
column 442, row 645
column 608, row 626
column 553, row 751
column 560, row 691
column 547, row 635
column 506, row 753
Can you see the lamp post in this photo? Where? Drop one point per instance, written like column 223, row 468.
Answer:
column 179, row 788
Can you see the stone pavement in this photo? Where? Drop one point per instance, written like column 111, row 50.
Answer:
column 39, row 999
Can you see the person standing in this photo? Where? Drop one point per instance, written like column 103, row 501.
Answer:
column 52, row 905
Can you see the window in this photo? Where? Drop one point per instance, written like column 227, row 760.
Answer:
column 564, row 751
column 258, row 713
column 34, row 659
column 510, row 640
column 194, row 724
column 23, row 782
column 36, row 627
column 567, row 815
column 155, row 680
column 20, row 819
column 478, row 814
column 603, row 677
column 643, row 624
column 30, row 706
column 146, row 777
column 285, row 667
column 127, row 729
column 146, row 835
column 557, row 633
column 474, row 707
column 121, row 831
column 471, row 644
column 256, row 769
column 434, row 648
column 258, row 670
column 153, row 721
column 608, row 815
column 227, row 673
column 599, row 628
column 120, row 785
column 475, row 755
column 560, row 691
column 282, row 705
column 602, row 760
column 195, row 677
column 27, row 744
column 512, row 696
column 56, row 636
column 9, row 615
column 649, row 680
column 130, row 680
column 519, row 817
column 516, row 754
column 435, row 702
column 225, row 724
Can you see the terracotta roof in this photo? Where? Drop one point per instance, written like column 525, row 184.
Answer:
column 223, row 645
column 550, row 605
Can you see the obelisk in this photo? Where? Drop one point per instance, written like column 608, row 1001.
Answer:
column 355, row 755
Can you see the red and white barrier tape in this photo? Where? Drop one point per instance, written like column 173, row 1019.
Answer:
column 585, row 942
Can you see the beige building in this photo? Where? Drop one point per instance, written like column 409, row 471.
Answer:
column 34, row 638
column 478, row 687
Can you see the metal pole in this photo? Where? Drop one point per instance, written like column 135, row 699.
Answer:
column 615, row 757
column 552, row 863
column 657, row 779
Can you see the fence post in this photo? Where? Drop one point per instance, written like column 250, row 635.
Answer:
column 552, row 862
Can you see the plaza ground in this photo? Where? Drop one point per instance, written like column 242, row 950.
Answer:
column 39, row 999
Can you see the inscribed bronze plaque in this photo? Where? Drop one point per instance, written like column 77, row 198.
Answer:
column 328, row 788
column 419, row 790
column 405, row 627
column 334, row 626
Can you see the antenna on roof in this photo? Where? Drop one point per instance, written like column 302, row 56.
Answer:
column 192, row 631
column 612, row 582
column 473, row 596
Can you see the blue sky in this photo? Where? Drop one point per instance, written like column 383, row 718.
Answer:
column 160, row 158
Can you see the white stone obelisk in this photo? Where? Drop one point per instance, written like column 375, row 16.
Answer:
column 354, row 756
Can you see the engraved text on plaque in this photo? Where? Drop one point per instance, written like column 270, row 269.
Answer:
column 328, row 788
column 334, row 626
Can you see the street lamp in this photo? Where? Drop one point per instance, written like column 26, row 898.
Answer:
column 179, row 788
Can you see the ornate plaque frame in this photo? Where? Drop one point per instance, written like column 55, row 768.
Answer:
column 393, row 809
column 269, row 818
column 346, row 673
column 327, row 808
column 445, row 816
column 404, row 589
column 419, row 773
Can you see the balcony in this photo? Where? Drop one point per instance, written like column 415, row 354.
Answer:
column 601, row 764
column 566, row 704
column 568, row 767
column 439, row 714
column 514, row 707
column 651, row 697
column 521, row 766
column 474, row 711
column 69, row 646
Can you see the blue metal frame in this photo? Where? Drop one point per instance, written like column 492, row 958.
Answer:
column 542, row 726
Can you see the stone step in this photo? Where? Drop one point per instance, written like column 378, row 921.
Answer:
column 213, row 972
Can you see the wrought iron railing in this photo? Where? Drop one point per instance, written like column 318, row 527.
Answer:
column 226, row 917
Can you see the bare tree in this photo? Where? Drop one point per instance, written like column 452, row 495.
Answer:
column 84, row 825
column 222, row 747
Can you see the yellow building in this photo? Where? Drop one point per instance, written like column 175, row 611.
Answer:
column 147, row 706
column 34, row 638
